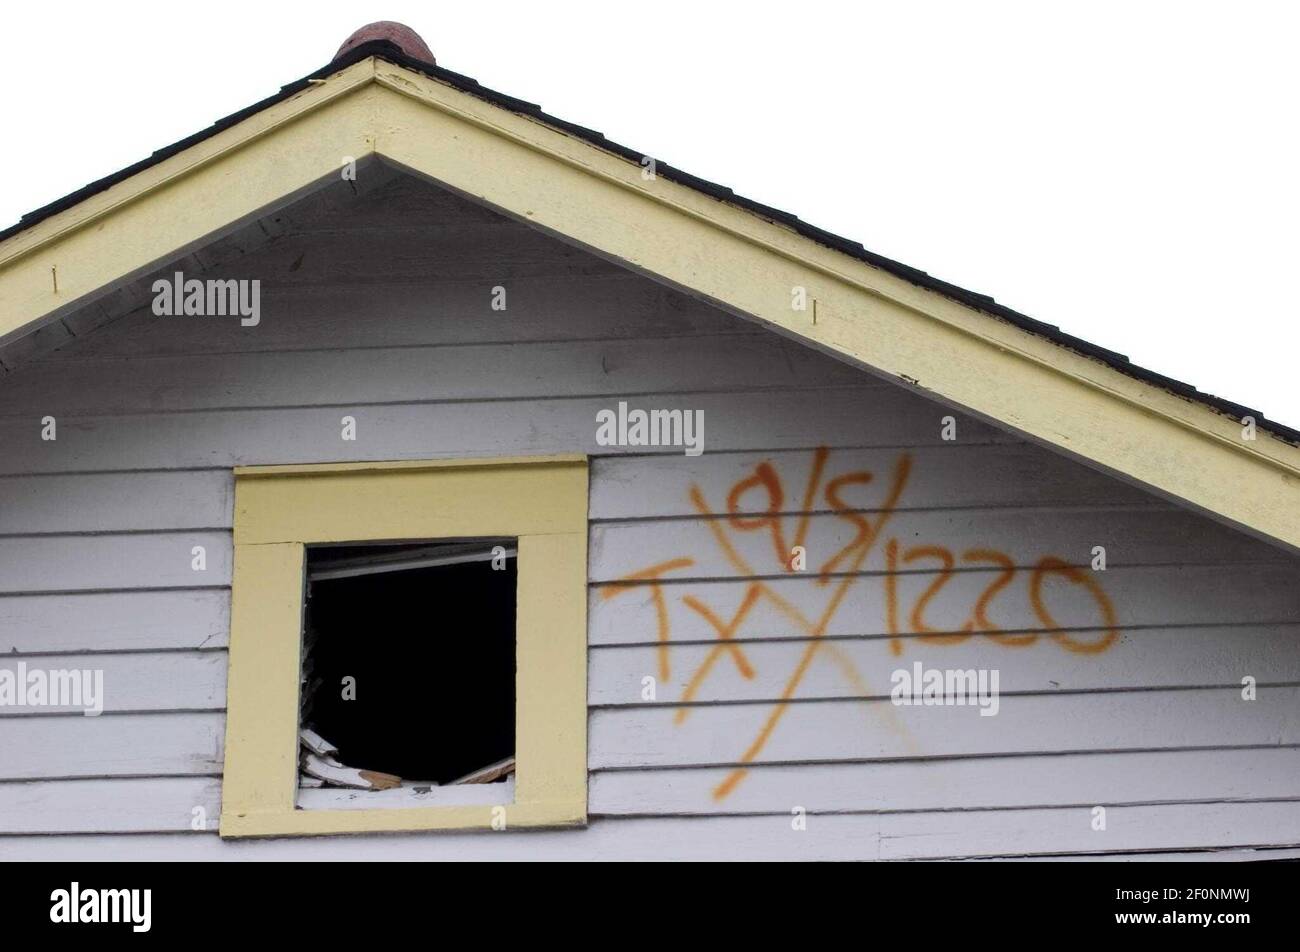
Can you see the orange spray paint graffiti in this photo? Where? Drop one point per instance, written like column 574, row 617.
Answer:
column 841, row 572
column 650, row 577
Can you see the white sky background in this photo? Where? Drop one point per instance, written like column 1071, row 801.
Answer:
column 1127, row 171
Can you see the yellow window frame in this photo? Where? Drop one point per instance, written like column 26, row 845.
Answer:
column 279, row 510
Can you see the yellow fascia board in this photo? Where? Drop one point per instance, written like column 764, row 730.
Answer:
column 539, row 174
column 49, row 268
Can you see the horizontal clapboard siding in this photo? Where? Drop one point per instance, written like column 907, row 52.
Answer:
column 115, row 621
column 389, row 375
column 98, row 527
column 849, row 416
column 1213, row 655
column 1130, row 537
column 955, row 475
column 183, row 680
column 135, row 805
column 167, row 560
column 166, row 804
column 424, row 314
column 116, row 502
column 171, row 681
column 858, row 730
column 1142, row 596
column 960, row 784
column 900, row 836
column 90, row 563
column 641, row 487
column 112, row 745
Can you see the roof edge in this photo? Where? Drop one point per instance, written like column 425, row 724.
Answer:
column 890, row 323
column 390, row 52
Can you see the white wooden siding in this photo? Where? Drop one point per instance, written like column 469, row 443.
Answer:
column 748, row 419
column 1142, row 829
column 115, row 621
column 97, row 530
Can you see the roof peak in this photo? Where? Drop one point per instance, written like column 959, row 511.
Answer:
column 399, row 34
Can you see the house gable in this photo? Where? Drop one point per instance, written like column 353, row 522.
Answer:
column 602, row 201
column 1122, row 690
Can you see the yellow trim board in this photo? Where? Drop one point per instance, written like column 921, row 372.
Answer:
column 721, row 252
column 299, row 469
column 281, row 510
column 150, row 217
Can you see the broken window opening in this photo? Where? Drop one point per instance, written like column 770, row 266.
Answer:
column 408, row 668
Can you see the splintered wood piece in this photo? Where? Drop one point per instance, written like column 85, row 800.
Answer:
column 380, row 781
column 496, row 771
column 315, row 743
column 336, row 774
